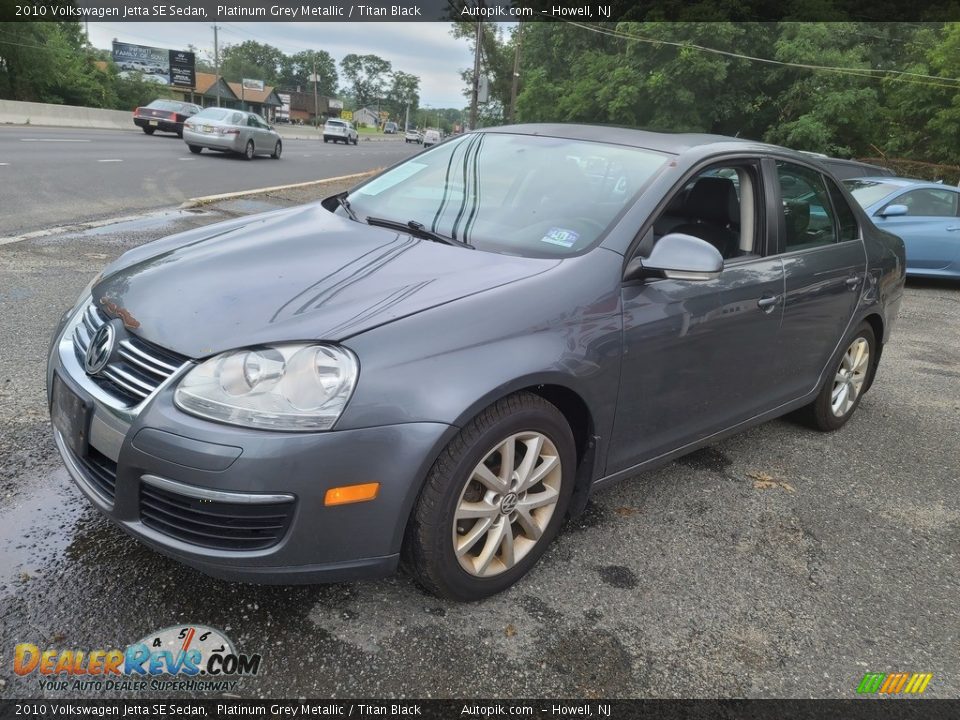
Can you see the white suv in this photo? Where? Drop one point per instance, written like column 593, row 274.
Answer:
column 339, row 131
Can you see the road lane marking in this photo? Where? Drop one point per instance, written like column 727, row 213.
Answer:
column 51, row 140
column 185, row 159
column 111, row 160
column 4, row 164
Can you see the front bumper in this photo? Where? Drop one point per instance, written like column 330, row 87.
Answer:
column 171, row 471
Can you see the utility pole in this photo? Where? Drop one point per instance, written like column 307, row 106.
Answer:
column 406, row 120
column 476, row 75
column 316, row 102
column 216, row 62
column 516, row 72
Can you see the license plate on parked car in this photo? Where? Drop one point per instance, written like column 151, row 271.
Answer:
column 208, row 128
column 70, row 415
column 154, row 122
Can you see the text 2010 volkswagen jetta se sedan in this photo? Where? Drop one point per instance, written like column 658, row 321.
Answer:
column 442, row 363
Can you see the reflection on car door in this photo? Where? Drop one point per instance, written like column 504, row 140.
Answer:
column 824, row 264
column 930, row 229
column 699, row 355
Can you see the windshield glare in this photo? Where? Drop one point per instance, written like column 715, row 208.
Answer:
column 518, row 194
column 867, row 192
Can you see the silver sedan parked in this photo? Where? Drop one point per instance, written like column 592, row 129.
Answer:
column 229, row 130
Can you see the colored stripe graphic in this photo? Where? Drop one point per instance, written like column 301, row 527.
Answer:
column 894, row 683
column 871, row 682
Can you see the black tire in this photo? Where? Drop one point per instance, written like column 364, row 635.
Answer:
column 326, row 140
column 195, row 149
column 277, row 150
column 428, row 551
column 356, row 140
column 249, row 151
column 149, row 130
column 820, row 414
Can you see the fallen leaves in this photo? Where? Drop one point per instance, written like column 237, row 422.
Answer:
column 765, row 481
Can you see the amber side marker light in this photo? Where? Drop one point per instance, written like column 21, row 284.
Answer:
column 351, row 494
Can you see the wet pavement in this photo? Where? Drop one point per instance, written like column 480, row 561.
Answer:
column 781, row 562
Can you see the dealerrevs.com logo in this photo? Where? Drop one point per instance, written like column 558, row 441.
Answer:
column 189, row 658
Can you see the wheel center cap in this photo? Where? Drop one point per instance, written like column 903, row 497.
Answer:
column 508, row 504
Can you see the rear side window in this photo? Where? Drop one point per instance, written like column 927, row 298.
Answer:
column 808, row 216
column 849, row 230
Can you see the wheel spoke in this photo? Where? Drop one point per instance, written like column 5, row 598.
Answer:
column 506, row 547
column 473, row 510
column 541, row 471
column 466, row 542
column 529, row 462
column 533, row 501
column 528, row 524
column 485, row 476
column 490, row 547
column 508, row 454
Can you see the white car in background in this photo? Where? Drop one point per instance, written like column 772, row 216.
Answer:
column 431, row 137
column 340, row 131
column 413, row 136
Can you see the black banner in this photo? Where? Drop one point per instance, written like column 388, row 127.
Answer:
column 912, row 709
column 584, row 11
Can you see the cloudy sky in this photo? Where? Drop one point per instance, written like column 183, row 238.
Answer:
column 424, row 49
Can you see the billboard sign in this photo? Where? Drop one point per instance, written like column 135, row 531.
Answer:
column 249, row 84
column 158, row 65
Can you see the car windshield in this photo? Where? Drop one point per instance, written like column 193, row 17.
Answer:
column 165, row 105
column 213, row 114
column 867, row 192
column 517, row 194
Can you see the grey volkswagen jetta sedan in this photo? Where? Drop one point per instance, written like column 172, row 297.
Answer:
column 441, row 364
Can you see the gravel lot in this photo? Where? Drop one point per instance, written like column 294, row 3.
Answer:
column 781, row 562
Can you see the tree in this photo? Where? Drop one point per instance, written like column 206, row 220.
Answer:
column 404, row 93
column 296, row 70
column 367, row 76
column 251, row 59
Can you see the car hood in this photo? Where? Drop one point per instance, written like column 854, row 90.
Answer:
column 297, row 274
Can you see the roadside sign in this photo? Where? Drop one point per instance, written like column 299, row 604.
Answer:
column 346, row 114
column 249, row 84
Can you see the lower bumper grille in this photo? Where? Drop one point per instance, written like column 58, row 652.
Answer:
column 213, row 524
column 100, row 472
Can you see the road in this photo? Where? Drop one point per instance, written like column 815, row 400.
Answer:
column 779, row 563
column 54, row 176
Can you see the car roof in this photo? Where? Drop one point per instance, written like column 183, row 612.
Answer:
column 893, row 180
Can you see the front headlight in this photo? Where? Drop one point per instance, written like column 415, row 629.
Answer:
column 275, row 387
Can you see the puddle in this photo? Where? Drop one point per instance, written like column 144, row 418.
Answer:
column 150, row 221
column 38, row 525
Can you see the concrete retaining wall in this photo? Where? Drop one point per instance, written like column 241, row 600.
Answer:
column 22, row 113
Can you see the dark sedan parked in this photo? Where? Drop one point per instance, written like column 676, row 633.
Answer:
column 164, row 115
column 444, row 362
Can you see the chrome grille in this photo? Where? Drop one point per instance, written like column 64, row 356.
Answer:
column 139, row 367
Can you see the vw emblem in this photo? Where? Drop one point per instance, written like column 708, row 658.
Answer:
column 509, row 503
column 100, row 349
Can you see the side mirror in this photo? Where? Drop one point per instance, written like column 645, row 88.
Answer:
column 678, row 257
column 893, row 211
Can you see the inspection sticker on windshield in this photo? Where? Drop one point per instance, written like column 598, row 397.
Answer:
column 559, row 236
column 388, row 180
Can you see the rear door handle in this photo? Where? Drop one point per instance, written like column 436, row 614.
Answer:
column 767, row 303
column 853, row 282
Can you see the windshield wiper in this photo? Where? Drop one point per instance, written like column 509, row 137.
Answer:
column 342, row 201
column 418, row 230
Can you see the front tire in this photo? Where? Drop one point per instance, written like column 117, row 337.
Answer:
column 249, row 151
column 493, row 501
column 849, row 377
column 195, row 149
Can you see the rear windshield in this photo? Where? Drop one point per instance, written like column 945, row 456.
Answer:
column 515, row 194
column 336, row 123
column 216, row 114
column 867, row 192
column 166, row 105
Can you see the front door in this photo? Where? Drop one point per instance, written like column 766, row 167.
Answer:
column 931, row 228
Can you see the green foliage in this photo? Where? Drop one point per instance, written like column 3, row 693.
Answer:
column 250, row 59
column 296, row 71
column 367, row 77
column 659, row 75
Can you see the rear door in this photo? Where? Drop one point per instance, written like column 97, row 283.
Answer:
column 824, row 264
column 930, row 229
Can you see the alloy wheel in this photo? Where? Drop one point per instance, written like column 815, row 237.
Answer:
column 848, row 382
column 506, row 504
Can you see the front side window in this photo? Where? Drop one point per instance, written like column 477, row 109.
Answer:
column 517, row 194
column 929, row 203
column 808, row 216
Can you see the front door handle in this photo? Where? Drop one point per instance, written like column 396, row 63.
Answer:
column 953, row 228
column 767, row 303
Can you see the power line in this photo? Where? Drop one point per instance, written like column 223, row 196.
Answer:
column 859, row 72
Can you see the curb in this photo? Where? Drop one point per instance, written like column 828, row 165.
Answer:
column 208, row 199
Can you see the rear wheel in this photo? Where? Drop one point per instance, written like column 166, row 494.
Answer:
column 493, row 501
column 195, row 149
column 277, row 149
column 841, row 393
column 249, row 151
column 356, row 140
column 149, row 130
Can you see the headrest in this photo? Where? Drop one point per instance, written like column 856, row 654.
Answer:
column 713, row 199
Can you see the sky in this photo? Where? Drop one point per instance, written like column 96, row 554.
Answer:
column 424, row 49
